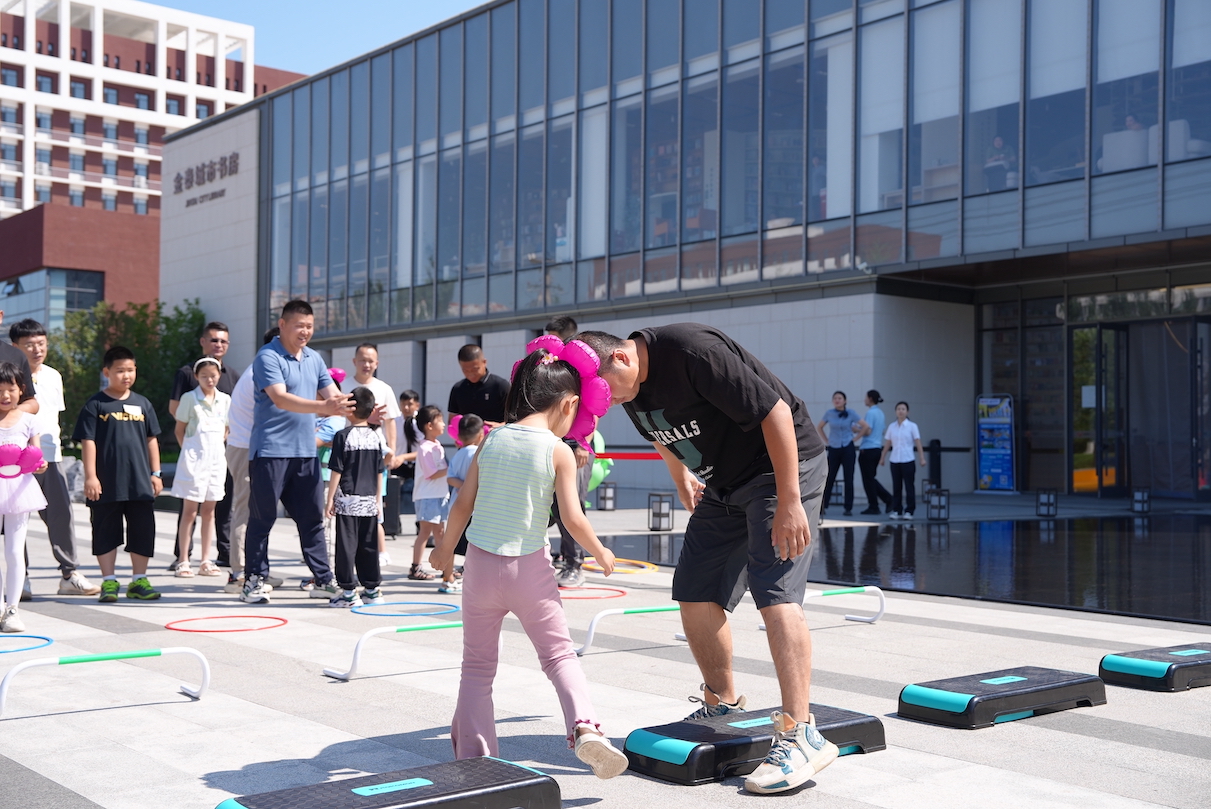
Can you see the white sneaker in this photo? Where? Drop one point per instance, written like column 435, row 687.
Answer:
column 596, row 750
column 255, row 591
column 384, row 559
column 346, row 599
column 798, row 753
column 11, row 621
column 77, row 585
column 894, row 515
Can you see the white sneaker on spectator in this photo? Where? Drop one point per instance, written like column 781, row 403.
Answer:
column 77, row 585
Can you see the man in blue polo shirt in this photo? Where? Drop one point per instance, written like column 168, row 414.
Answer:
column 282, row 464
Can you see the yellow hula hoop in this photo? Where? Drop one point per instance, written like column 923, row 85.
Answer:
column 640, row 567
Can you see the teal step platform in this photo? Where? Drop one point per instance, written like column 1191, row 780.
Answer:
column 701, row 751
column 983, row 700
column 1174, row 668
column 473, row 783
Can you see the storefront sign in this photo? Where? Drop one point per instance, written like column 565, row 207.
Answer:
column 995, row 445
column 206, row 172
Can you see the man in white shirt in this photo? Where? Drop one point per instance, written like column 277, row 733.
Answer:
column 30, row 336
column 365, row 363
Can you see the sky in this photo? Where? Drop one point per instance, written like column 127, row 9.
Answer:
column 308, row 36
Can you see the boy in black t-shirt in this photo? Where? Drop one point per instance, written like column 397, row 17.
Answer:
column 117, row 428
column 356, row 466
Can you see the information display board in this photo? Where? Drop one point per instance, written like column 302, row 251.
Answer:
column 995, row 445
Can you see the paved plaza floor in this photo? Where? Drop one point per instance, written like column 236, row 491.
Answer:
column 119, row 734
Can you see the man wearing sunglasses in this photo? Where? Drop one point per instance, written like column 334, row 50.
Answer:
column 214, row 341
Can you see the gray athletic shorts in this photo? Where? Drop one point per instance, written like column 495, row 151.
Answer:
column 728, row 547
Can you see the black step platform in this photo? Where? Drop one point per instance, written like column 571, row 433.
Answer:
column 473, row 783
column 1174, row 668
column 700, row 751
column 983, row 700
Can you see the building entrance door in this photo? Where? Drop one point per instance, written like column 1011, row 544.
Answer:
column 1166, row 366
column 1097, row 449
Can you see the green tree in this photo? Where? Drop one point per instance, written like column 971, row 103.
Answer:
column 161, row 341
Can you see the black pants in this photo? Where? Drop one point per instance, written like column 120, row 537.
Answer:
column 357, row 552
column 838, row 458
column 296, row 483
column 904, row 476
column 222, row 528
column 868, row 463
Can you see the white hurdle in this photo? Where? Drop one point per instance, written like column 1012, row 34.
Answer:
column 866, row 619
column 194, row 693
column 345, row 676
column 588, row 640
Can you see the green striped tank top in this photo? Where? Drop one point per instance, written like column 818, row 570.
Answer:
column 516, row 483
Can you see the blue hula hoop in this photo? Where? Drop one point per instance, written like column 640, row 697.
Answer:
column 47, row 642
column 365, row 609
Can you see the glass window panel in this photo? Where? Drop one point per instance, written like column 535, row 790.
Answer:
column 782, row 253
column 1125, row 203
column 279, row 276
column 594, row 67
column 318, row 231
column 627, row 48
column 877, row 239
column 626, row 275
column 561, row 204
column 1055, row 215
column 878, row 9
column 380, row 245
column 426, row 94
column 663, row 168
column 475, row 210
column 504, row 68
column 741, row 95
column 592, row 280
column 783, row 23
column 831, row 17
column 338, row 252
column 1187, row 202
column 830, row 129
column 319, row 132
column 626, row 176
column 448, row 304
column 423, row 301
column 359, row 220
column 741, row 29
column 531, row 48
column 501, row 293
column 933, row 231
column 663, row 29
column 701, row 46
column 426, row 222
column 593, row 184
column 561, row 285
column 449, row 205
column 501, row 204
column 561, row 56
column 339, row 123
column 299, row 265
column 828, row 246
column 1126, row 84
column 380, row 110
column 301, row 128
column 1188, row 85
column 994, row 59
column 783, row 171
column 359, row 117
column 401, row 91
column 881, row 116
column 699, row 265
column 738, row 260
column 1055, row 113
column 700, row 160
column 475, row 291
column 660, row 271
column 530, row 289
column 282, row 168
column 933, row 138
column 1001, row 316
column 475, row 101
column 530, row 161
column 401, row 244
column 450, row 103
column 990, row 222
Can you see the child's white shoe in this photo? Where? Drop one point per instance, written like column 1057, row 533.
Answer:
column 594, row 749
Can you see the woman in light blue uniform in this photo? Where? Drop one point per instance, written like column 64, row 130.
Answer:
column 842, row 424
column 873, row 424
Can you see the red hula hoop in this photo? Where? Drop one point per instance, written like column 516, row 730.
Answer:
column 614, row 592
column 280, row 622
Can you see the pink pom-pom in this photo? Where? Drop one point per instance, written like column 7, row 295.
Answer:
column 548, row 341
column 10, row 461
column 31, row 459
column 582, row 358
column 452, row 430
column 582, row 427
column 595, row 396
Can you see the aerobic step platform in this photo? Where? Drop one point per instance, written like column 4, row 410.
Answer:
column 700, row 751
column 983, row 700
column 473, row 783
column 1174, row 668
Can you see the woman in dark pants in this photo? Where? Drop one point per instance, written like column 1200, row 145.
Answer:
column 900, row 441
column 871, row 429
column 842, row 424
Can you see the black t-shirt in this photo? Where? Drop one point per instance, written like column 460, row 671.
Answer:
column 186, row 381
column 357, row 456
column 120, row 428
column 705, row 398
column 485, row 398
column 10, row 353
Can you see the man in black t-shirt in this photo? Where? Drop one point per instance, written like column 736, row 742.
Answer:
column 214, row 341
column 481, row 393
column 714, row 411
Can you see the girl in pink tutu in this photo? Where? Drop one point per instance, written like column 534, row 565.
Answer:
column 20, row 494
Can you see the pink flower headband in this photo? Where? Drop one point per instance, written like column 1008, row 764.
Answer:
column 594, row 391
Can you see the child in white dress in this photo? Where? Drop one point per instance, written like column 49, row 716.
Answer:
column 20, row 494
column 202, row 467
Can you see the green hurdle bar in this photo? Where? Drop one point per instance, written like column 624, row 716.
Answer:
column 195, row 693
column 588, row 640
column 383, row 630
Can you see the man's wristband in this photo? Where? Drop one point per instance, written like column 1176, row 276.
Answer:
column 156, row 473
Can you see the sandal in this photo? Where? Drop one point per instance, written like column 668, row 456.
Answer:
column 420, row 574
column 183, row 572
column 209, row 568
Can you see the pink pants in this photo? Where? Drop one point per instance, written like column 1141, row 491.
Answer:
column 525, row 586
